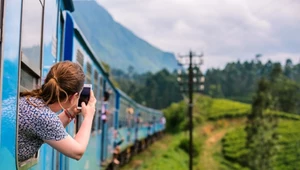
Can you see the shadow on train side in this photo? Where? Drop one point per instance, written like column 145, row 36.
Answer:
column 35, row 35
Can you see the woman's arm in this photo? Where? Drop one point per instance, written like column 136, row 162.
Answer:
column 65, row 120
column 75, row 147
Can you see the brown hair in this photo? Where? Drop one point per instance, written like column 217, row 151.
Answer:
column 64, row 78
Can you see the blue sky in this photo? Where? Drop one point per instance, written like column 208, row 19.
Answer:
column 225, row 30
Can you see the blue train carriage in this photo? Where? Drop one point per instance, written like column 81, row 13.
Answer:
column 33, row 32
column 151, row 127
column 125, row 126
column 142, row 119
column 109, row 126
column 95, row 75
column 159, row 124
column 99, row 152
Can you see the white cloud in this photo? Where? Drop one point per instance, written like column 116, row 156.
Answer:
column 226, row 30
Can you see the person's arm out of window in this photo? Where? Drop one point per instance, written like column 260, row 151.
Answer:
column 75, row 147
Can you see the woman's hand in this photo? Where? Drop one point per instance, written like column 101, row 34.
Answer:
column 74, row 111
column 89, row 109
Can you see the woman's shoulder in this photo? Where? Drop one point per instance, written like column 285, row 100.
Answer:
column 31, row 106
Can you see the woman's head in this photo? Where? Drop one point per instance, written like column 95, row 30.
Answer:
column 63, row 80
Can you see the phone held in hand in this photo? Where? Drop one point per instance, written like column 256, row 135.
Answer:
column 84, row 95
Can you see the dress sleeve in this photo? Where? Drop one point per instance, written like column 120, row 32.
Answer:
column 49, row 127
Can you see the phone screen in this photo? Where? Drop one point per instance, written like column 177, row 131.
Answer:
column 84, row 96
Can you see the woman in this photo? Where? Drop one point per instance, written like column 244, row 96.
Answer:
column 38, row 121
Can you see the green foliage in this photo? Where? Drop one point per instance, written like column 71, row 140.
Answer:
column 163, row 154
column 234, row 149
column 260, row 129
column 184, row 145
column 153, row 90
column 269, row 138
column 175, row 115
column 215, row 90
column 237, row 81
column 222, row 108
column 287, row 155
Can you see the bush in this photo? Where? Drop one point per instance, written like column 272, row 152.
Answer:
column 184, row 145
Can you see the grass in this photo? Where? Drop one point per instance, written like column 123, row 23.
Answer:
column 213, row 119
column 163, row 154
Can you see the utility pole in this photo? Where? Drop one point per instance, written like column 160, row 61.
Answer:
column 187, row 82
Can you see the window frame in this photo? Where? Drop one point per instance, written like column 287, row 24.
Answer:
column 80, row 60
column 1, row 62
column 95, row 77
column 24, row 67
column 99, row 103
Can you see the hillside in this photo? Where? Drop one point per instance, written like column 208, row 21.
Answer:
column 219, row 137
column 115, row 44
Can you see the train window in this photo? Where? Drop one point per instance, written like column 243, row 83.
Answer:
column 111, row 109
column 100, row 88
column 79, row 118
column 129, row 116
column 29, row 80
column 100, row 102
column 95, row 89
column 79, row 57
column 88, row 73
column 122, row 113
column 31, row 57
column 31, row 35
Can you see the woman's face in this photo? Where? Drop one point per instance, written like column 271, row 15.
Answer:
column 75, row 98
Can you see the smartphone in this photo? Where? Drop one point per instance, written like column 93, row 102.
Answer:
column 84, row 95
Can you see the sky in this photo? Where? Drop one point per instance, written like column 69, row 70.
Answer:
column 224, row 30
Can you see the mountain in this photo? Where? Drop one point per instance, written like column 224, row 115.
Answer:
column 116, row 45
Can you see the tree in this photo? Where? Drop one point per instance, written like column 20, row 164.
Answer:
column 288, row 68
column 260, row 129
column 215, row 91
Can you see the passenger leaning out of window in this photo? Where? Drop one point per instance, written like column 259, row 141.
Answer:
column 38, row 121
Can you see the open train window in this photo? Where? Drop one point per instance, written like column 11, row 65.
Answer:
column 79, row 118
column 79, row 57
column 122, row 113
column 95, row 89
column 110, row 117
column 88, row 75
column 31, row 56
column 29, row 80
column 100, row 100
